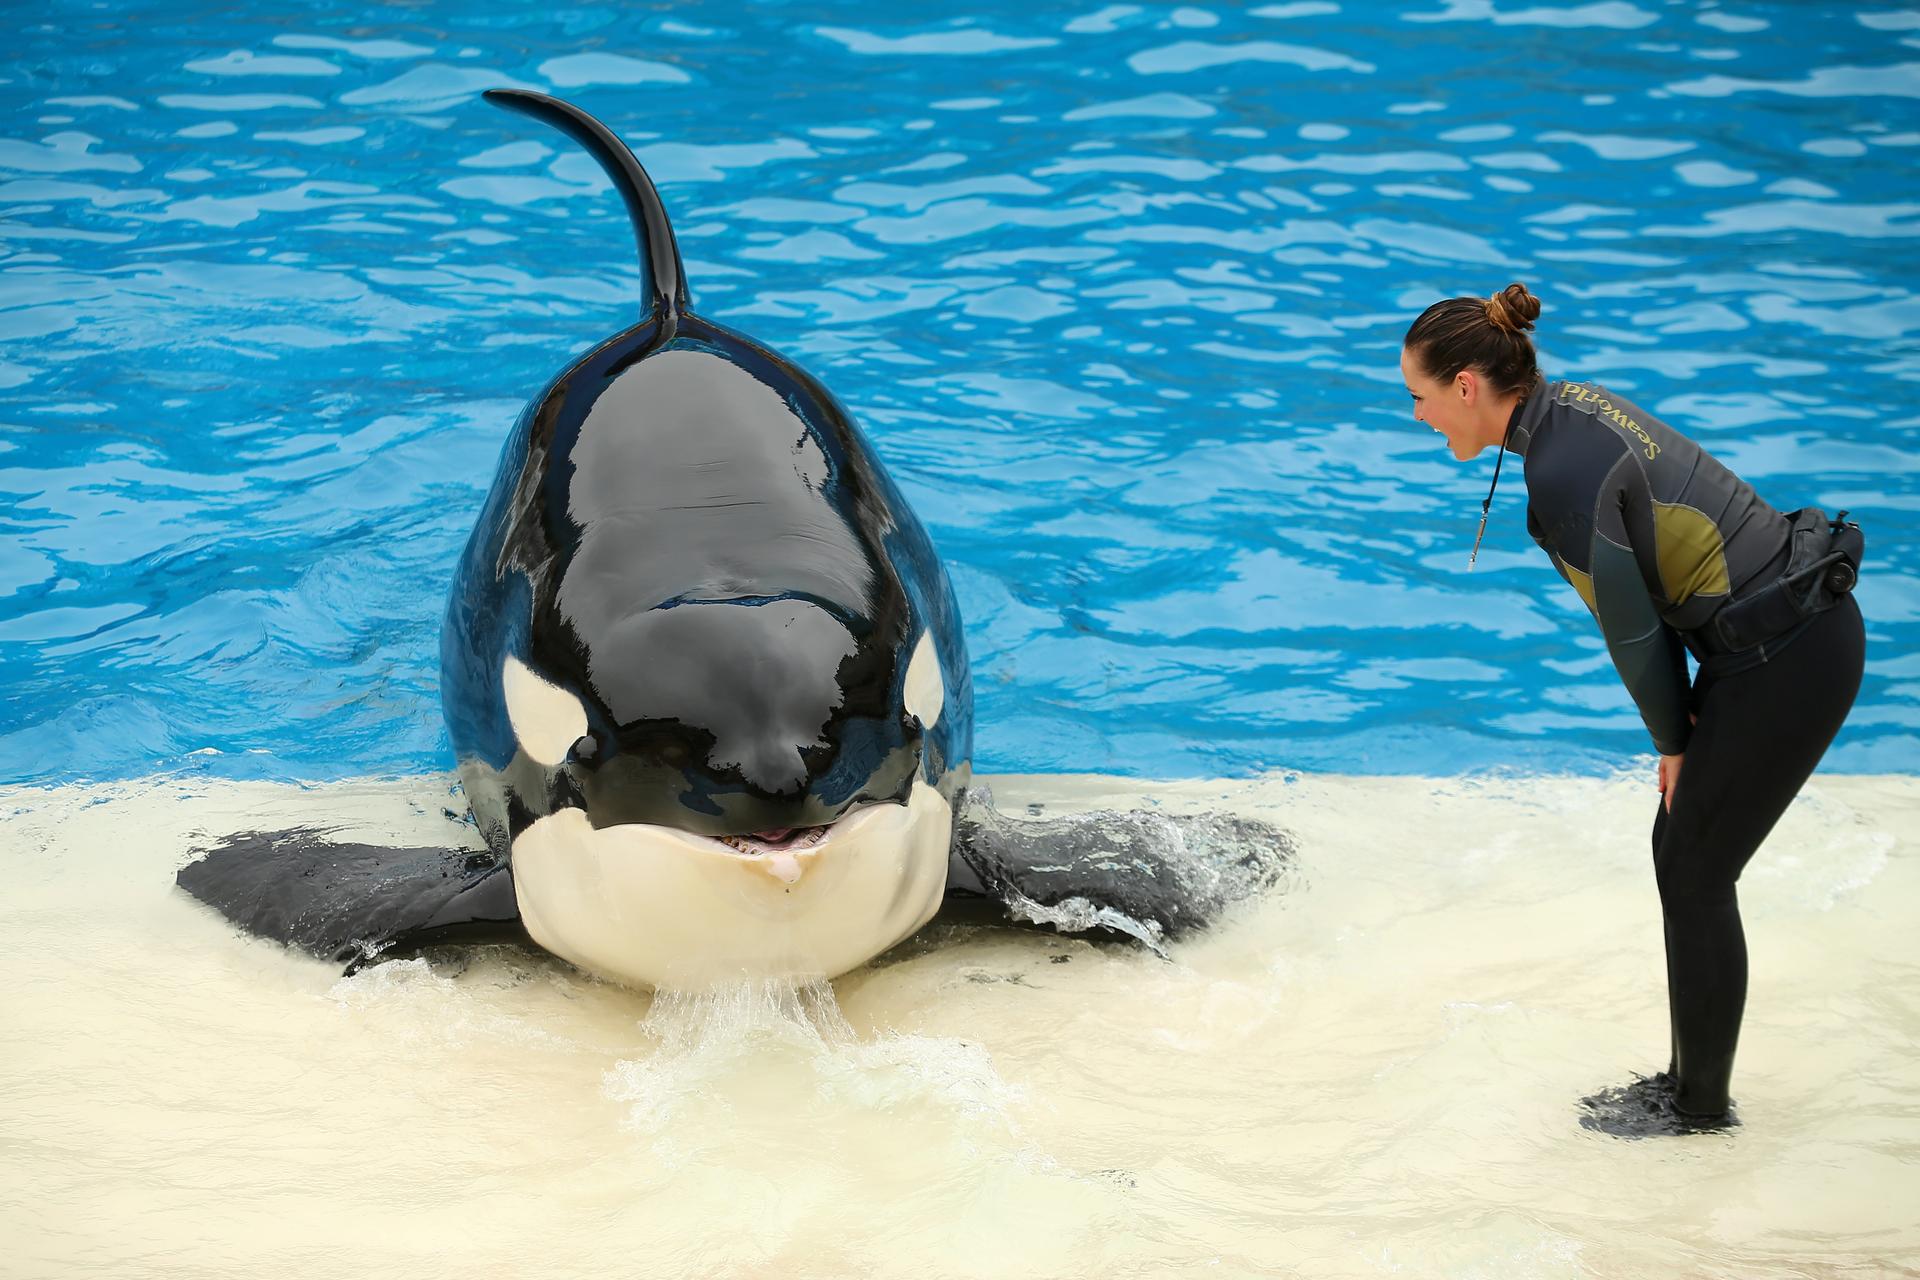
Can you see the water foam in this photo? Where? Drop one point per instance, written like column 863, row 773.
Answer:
column 789, row 1047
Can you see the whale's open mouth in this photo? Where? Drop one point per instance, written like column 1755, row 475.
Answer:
column 785, row 853
column 778, row 840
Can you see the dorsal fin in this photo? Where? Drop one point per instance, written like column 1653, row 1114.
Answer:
column 658, row 249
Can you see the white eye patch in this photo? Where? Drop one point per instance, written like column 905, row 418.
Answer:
column 925, row 694
column 546, row 718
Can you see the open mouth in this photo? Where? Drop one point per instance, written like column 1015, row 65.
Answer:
column 785, row 853
column 782, row 852
column 778, row 840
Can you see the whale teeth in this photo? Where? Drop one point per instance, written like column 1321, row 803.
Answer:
column 786, row 840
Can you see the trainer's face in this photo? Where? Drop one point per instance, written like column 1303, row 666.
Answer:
column 1451, row 408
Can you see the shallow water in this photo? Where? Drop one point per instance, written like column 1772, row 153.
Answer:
column 1370, row 1072
column 1116, row 289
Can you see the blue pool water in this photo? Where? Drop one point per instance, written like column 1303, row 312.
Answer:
column 1117, row 291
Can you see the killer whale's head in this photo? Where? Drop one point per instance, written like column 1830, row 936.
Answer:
column 728, row 798
column 702, row 668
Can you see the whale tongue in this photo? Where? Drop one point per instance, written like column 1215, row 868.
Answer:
column 778, row 861
column 774, row 839
column 778, row 850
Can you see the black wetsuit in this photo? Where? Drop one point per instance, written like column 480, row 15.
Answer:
column 1656, row 536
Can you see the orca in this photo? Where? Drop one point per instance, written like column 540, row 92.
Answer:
column 707, row 687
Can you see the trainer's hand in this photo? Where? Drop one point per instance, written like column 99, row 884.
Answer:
column 1670, row 777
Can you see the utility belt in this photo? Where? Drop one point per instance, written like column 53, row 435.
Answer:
column 1823, row 563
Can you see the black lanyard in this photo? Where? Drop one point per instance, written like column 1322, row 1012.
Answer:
column 1487, row 506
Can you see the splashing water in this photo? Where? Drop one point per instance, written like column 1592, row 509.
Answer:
column 774, row 1049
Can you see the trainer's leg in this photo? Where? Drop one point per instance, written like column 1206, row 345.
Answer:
column 1706, row 947
column 1759, row 735
column 1666, row 929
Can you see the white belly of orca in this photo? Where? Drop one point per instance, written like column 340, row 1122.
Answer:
column 653, row 906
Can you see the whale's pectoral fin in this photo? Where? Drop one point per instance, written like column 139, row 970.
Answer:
column 1149, row 875
column 354, row 902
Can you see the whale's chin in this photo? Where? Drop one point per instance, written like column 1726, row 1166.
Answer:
column 654, row 906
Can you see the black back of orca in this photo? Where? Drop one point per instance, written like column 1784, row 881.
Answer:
column 690, row 537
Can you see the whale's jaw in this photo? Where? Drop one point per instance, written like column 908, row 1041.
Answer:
column 653, row 906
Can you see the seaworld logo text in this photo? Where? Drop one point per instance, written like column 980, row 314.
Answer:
column 1571, row 394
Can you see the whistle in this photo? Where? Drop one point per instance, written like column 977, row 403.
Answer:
column 1487, row 506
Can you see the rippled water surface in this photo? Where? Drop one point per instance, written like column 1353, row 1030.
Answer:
column 1117, row 291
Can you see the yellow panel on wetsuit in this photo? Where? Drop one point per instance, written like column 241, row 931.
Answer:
column 1582, row 583
column 1691, row 553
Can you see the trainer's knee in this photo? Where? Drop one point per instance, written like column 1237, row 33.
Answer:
column 1686, row 889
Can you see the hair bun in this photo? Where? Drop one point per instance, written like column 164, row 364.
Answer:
column 1513, row 309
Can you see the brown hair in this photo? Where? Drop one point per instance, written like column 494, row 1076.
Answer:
column 1485, row 334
